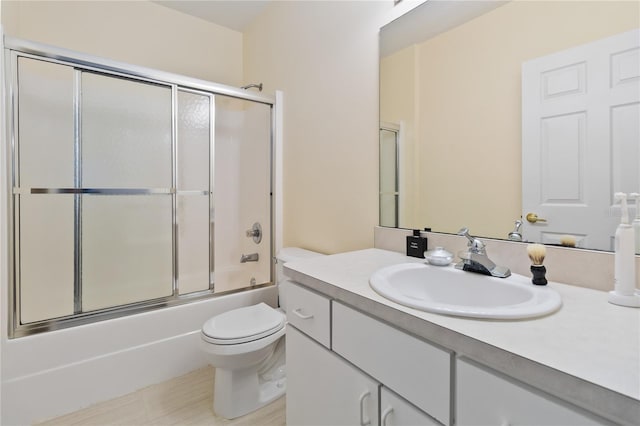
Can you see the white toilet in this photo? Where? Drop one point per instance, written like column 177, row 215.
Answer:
column 246, row 347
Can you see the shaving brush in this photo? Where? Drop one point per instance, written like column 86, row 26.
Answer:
column 568, row 241
column 536, row 253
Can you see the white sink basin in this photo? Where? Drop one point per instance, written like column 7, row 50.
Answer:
column 450, row 291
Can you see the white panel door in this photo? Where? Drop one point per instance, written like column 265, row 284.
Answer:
column 580, row 139
column 323, row 389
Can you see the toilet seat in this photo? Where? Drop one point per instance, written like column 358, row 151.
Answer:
column 243, row 325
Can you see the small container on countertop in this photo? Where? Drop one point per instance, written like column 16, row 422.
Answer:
column 439, row 257
column 416, row 244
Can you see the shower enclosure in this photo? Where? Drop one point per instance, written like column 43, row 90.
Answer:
column 129, row 189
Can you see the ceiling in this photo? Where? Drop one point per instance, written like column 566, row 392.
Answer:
column 430, row 19
column 234, row 14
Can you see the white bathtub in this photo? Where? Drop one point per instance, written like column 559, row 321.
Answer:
column 54, row 373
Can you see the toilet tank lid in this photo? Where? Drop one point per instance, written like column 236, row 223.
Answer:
column 289, row 254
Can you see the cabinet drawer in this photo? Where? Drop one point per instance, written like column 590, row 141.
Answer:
column 309, row 312
column 486, row 397
column 414, row 369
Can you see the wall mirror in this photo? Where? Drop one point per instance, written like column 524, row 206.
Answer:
column 484, row 103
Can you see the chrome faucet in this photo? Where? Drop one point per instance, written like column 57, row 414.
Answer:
column 515, row 235
column 475, row 259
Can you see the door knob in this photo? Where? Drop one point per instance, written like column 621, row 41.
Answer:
column 533, row 218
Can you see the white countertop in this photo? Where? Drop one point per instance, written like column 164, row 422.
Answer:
column 596, row 344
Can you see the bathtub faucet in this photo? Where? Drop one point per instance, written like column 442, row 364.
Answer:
column 253, row 257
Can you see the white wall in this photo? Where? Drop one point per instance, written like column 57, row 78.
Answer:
column 324, row 56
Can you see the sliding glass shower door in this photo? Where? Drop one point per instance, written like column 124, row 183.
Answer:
column 194, row 184
column 131, row 192
column 45, row 220
column 126, row 216
column 95, row 162
column 243, row 180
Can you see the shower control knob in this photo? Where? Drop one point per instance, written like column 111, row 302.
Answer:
column 255, row 232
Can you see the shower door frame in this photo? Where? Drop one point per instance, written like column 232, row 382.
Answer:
column 14, row 48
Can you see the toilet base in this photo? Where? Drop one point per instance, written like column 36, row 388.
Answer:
column 239, row 392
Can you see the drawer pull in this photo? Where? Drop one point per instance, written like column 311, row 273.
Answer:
column 301, row 315
column 385, row 414
column 363, row 421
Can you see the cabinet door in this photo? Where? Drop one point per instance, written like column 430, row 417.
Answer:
column 418, row 371
column 396, row 411
column 323, row 389
column 489, row 398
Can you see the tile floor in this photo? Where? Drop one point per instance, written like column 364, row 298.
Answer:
column 185, row 400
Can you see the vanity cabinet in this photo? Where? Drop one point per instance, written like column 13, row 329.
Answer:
column 418, row 371
column 345, row 367
column 323, row 389
column 339, row 382
column 457, row 371
column 486, row 397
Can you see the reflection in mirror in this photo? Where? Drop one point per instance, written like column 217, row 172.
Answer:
column 469, row 103
column 389, row 157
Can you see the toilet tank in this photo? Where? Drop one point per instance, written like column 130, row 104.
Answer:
column 289, row 254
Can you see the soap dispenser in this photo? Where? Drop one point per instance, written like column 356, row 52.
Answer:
column 625, row 268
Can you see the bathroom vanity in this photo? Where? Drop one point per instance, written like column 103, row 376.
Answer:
column 354, row 357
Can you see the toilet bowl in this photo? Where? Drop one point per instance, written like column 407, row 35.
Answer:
column 246, row 347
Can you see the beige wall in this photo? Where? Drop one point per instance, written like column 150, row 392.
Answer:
column 9, row 16
column 398, row 105
column 470, row 108
column 137, row 32
column 324, row 56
